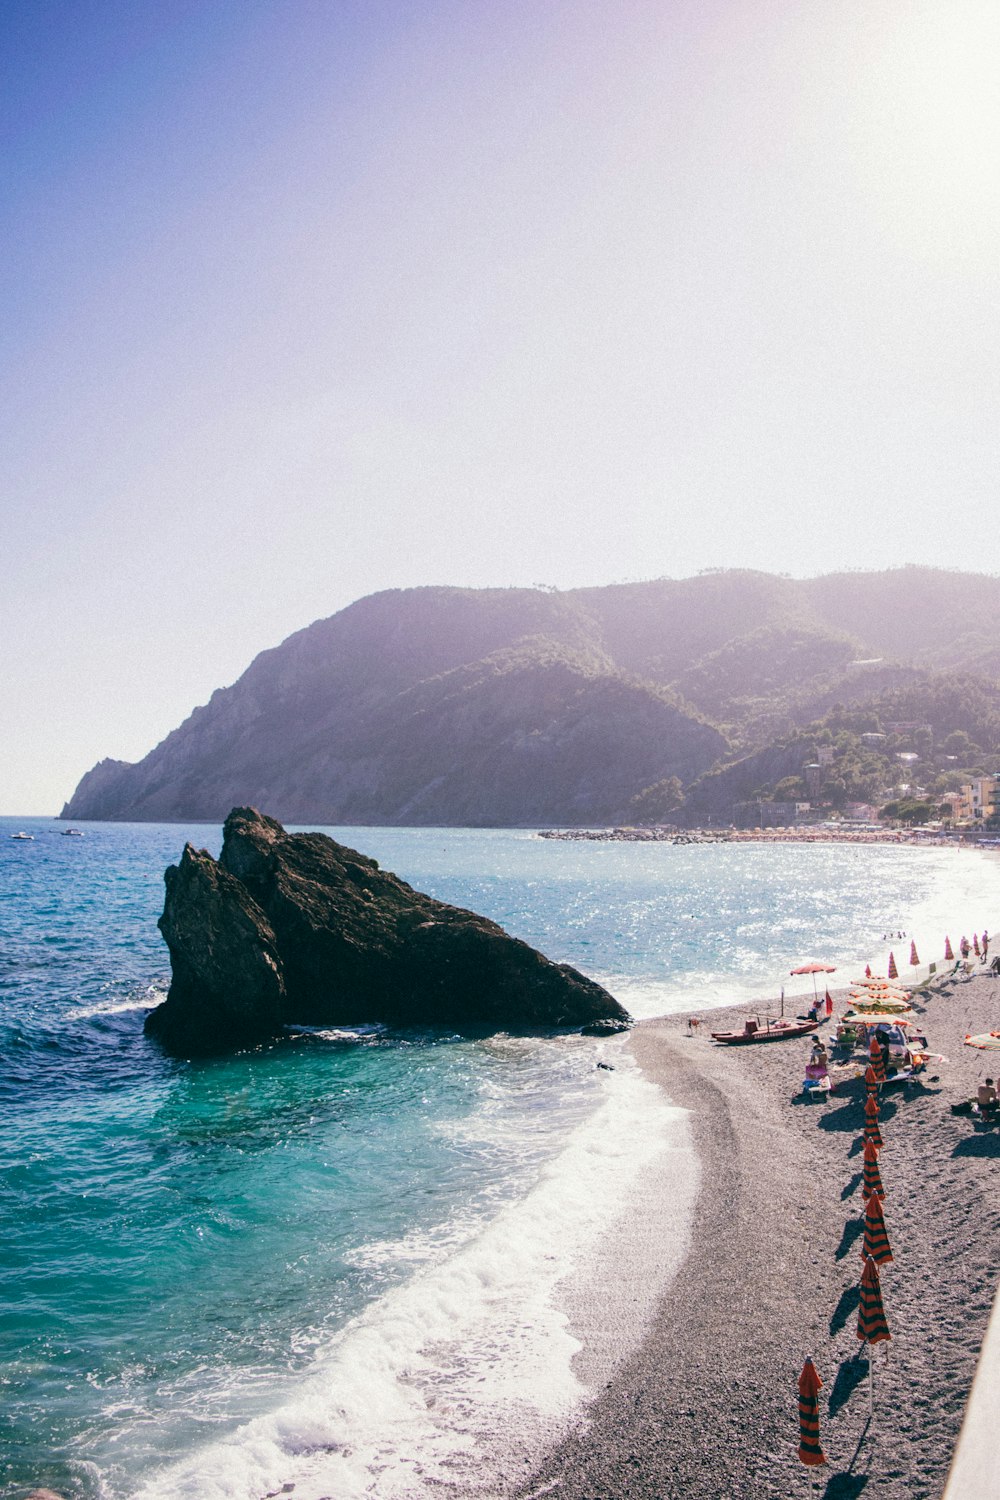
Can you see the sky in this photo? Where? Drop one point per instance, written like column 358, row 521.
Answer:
column 305, row 300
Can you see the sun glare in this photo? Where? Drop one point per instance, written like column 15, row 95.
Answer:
column 934, row 127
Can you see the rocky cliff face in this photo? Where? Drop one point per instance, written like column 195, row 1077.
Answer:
column 298, row 928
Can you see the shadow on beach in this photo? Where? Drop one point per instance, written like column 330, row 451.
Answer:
column 853, row 1230
column 850, row 1297
column 978, row 1145
column 844, row 1486
column 852, row 1373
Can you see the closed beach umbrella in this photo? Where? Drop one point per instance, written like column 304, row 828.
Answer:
column 914, row 960
column 892, row 971
column 868, row 971
column 871, row 1131
column 871, row 1177
column 810, row 1451
column 829, row 1003
column 871, row 1081
column 877, row 1061
column 876, row 1241
column 948, row 952
column 872, row 1325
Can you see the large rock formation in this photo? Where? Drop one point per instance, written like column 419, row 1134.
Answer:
column 298, row 928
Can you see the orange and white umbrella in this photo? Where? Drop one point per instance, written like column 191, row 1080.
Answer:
column 892, row 971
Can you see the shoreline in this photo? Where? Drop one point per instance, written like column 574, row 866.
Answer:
column 706, row 1406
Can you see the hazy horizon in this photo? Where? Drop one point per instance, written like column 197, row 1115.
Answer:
column 302, row 303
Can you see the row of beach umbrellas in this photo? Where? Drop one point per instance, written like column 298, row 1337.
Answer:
column 876, row 1251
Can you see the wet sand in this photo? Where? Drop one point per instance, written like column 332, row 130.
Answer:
column 706, row 1408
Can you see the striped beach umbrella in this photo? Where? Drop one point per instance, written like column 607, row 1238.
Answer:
column 810, row 1451
column 914, row 960
column 871, row 1081
column 871, row 1177
column 872, row 1325
column 948, row 951
column 868, row 971
column 875, row 1242
column 876, row 1059
column 892, row 971
column 872, row 1132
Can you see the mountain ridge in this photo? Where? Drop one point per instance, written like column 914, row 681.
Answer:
column 515, row 707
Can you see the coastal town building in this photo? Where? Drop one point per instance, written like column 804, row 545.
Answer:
column 983, row 797
column 760, row 814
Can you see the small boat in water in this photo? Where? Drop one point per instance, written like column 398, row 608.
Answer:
column 767, row 1030
column 72, row 833
column 27, row 837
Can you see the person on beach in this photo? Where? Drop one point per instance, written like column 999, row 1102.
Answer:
column 986, row 1097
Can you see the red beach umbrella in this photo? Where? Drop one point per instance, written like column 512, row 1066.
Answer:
column 877, row 1060
column 871, row 1081
column 871, row 1177
column 810, row 1451
column 914, row 960
column 868, row 971
column 948, row 953
column 815, row 969
column 829, row 1004
column 975, row 943
column 876, row 1241
column 872, row 1325
column 892, row 971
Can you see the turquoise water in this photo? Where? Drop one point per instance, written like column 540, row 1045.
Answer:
column 186, row 1245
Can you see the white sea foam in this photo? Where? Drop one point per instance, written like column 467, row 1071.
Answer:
column 469, row 1369
column 149, row 997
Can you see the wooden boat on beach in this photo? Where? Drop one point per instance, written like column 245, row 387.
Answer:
column 767, row 1030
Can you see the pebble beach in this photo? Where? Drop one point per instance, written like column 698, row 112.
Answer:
column 706, row 1407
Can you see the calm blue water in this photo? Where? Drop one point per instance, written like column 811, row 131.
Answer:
column 186, row 1245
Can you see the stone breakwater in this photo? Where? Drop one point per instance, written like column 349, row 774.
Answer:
column 804, row 835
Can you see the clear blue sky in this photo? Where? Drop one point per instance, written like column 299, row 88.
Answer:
column 304, row 300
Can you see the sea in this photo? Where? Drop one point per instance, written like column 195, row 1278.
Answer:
column 354, row 1263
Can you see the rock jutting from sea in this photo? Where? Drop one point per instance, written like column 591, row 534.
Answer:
column 296, row 928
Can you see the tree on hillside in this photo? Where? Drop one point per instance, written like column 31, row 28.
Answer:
column 909, row 810
column 656, row 803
